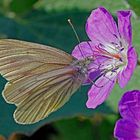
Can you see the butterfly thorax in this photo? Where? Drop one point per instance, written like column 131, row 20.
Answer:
column 81, row 66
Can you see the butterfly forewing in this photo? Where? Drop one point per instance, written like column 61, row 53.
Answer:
column 40, row 78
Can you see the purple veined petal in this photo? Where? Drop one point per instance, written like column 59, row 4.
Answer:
column 101, row 27
column 83, row 50
column 97, row 95
column 125, row 75
column 124, row 25
column 126, row 130
column 129, row 106
column 87, row 48
column 92, row 76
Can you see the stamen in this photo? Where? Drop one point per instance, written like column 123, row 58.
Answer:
column 117, row 56
column 120, row 43
column 102, row 50
column 121, row 49
column 115, row 47
column 106, row 53
column 121, row 59
column 108, row 78
column 113, row 43
column 94, row 83
column 115, row 36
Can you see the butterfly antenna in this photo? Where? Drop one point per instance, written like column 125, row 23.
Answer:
column 74, row 30
column 69, row 21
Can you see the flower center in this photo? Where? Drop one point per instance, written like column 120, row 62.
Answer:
column 113, row 55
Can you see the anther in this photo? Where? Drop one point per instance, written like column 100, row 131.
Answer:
column 121, row 49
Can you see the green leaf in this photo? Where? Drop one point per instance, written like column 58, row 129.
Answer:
column 135, row 5
column 74, row 129
column 21, row 6
column 79, row 4
column 98, row 127
column 95, row 128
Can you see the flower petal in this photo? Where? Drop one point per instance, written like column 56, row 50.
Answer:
column 101, row 27
column 99, row 92
column 124, row 25
column 125, row 75
column 126, row 130
column 83, row 50
column 129, row 106
column 92, row 76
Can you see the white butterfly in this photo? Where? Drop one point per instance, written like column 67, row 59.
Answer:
column 41, row 79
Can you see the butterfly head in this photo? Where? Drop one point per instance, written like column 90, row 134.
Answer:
column 82, row 65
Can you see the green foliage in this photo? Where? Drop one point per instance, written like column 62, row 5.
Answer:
column 76, row 129
column 20, row 6
column 79, row 4
column 97, row 127
column 135, row 5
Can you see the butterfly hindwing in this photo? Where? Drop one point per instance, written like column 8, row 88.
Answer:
column 47, row 98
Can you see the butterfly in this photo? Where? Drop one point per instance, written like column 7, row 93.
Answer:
column 41, row 79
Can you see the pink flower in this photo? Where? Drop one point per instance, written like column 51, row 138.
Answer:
column 111, row 47
column 128, row 127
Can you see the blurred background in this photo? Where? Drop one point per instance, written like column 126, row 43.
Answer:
column 45, row 22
